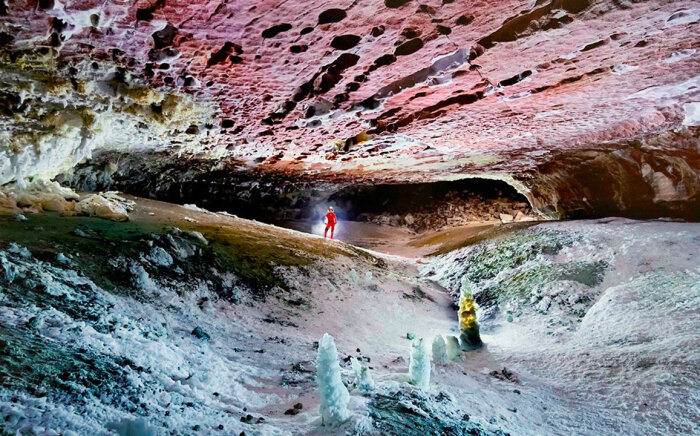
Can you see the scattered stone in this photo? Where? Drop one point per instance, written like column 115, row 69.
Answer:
column 200, row 334
column 292, row 411
column 506, row 218
column 544, row 304
column 505, row 375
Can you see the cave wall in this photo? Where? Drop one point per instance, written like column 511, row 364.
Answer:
column 639, row 179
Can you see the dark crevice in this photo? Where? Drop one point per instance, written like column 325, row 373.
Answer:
column 328, row 77
column 275, row 30
column 521, row 25
column 229, row 49
column 164, row 37
column 515, row 79
column 464, row 20
column 593, row 45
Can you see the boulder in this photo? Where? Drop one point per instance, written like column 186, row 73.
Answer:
column 105, row 205
column 506, row 218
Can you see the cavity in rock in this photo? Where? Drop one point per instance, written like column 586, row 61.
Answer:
column 409, row 47
column 444, row 30
column 5, row 38
column 144, row 14
column 165, row 36
column 298, row 48
column 593, row 45
column 45, row 4
column 464, row 20
column 377, row 31
column 275, row 30
column 228, row 49
column 395, row 3
column 331, row 16
column 345, row 42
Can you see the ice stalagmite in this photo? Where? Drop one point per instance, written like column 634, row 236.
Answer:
column 440, row 350
column 452, row 348
column 419, row 368
column 334, row 395
column 364, row 378
column 468, row 326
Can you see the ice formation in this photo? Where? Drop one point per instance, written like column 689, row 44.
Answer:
column 334, row 395
column 353, row 277
column 136, row 427
column 468, row 325
column 419, row 366
column 439, row 349
column 452, row 347
column 363, row 378
column 618, row 295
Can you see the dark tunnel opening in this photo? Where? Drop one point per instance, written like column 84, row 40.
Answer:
column 429, row 206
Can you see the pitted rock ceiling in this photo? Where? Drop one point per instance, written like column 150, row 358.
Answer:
column 408, row 89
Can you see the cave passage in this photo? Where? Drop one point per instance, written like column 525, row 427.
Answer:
column 282, row 199
column 428, row 206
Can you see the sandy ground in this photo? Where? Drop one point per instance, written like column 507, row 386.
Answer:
column 400, row 241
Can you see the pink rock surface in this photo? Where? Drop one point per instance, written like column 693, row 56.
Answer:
column 292, row 93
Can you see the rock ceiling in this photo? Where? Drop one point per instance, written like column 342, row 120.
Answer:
column 429, row 89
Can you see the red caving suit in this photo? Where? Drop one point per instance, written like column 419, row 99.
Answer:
column 331, row 220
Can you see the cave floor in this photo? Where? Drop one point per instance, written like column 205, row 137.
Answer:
column 401, row 241
column 592, row 360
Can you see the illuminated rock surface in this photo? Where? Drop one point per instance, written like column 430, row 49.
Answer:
column 531, row 91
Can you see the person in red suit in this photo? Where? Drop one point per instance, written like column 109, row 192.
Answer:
column 330, row 221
